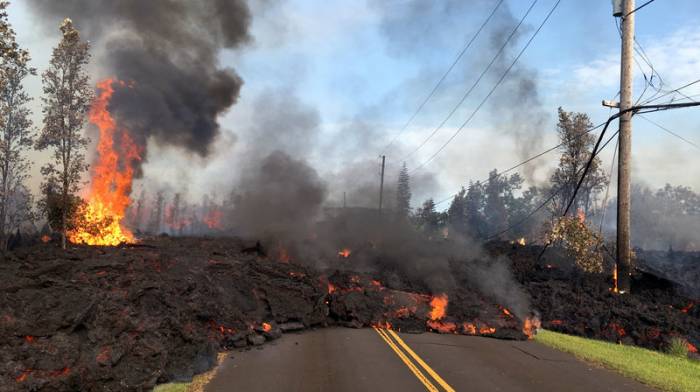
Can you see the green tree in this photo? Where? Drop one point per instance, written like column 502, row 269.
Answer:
column 577, row 144
column 474, row 202
column 403, row 194
column 16, row 131
column 67, row 99
column 428, row 219
column 457, row 213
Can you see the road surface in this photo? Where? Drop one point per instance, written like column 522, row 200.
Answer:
column 337, row 359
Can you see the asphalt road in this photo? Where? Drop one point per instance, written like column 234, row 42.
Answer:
column 338, row 359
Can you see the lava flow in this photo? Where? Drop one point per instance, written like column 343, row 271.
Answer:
column 99, row 220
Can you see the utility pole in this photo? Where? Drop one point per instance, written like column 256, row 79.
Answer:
column 381, row 186
column 624, row 262
column 344, row 201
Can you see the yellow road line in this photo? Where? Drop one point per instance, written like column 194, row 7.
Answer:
column 419, row 375
column 420, row 361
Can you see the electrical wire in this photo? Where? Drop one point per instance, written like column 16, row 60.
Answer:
column 549, row 199
column 498, row 83
column 528, row 160
column 442, row 79
column 638, row 8
column 473, row 86
column 671, row 132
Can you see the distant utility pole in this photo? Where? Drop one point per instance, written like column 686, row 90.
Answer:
column 381, row 185
column 624, row 262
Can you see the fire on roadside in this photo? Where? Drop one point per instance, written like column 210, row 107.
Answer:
column 99, row 220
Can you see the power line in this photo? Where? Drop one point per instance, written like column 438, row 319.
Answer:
column 498, row 83
column 550, row 198
column 638, row 8
column 671, row 132
column 473, row 86
column 442, row 79
column 677, row 90
column 528, row 160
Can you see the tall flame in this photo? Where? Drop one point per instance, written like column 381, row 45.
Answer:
column 99, row 221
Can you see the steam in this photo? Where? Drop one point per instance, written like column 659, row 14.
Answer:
column 167, row 52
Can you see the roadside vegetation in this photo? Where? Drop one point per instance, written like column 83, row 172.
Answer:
column 667, row 372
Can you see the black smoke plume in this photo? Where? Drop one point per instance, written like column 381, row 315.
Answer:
column 168, row 51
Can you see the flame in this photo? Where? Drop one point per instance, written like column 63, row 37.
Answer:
column 530, row 326
column 521, row 241
column 581, row 215
column 45, row 238
column 506, row 312
column 344, row 253
column 213, row 219
column 615, row 288
column 438, row 306
column 266, row 327
column 100, row 219
column 331, row 288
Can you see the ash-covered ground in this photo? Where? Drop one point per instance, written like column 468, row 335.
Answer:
column 126, row 318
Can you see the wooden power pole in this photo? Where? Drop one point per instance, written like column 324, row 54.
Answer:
column 381, row 186
column 624, row 262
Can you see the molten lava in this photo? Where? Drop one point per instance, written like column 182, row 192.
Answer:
column 266, row 327
column 344, row 253
column 99, row 220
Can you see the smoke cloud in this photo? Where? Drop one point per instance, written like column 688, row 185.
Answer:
column 167, row 52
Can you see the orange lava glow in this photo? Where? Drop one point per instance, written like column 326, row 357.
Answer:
column 438, row 307
column 485, row 330
column 266, row 327
column 29, row 339
column 556, row 322
column 45, row 239
column 530, row 326
column 687, row 308
column 618, row 329
column 506, row 312
column 344, row 253
column 23, row 376
column 469, row 328
column 442, row 327
column 692, row 348
column 112, row 174
column 331, row 288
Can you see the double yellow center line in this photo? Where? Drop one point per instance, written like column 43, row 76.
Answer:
column 394, row 341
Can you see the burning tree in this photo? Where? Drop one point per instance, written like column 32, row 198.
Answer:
column 16, row 133
column 67, row 98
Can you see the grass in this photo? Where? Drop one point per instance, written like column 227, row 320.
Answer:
column 198, row 382
column 662, row 371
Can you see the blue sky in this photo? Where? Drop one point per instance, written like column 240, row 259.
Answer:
column 371, row 63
